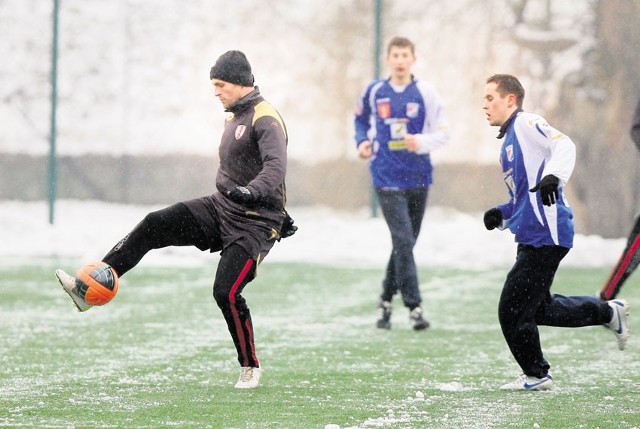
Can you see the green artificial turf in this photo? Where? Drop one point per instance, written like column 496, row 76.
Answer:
column 160, row 355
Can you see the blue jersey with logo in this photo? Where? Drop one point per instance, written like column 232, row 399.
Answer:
column 385, row 114
column 531, row 150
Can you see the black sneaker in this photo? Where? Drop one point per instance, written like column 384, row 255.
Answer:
column 384, row 315
column 418, row 323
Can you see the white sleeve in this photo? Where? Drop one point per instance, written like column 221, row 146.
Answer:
column 435, row 132
column 561, row 153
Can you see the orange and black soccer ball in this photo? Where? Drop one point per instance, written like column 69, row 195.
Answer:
column 97, row 282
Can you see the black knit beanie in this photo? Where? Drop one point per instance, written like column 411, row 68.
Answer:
column 232, row 67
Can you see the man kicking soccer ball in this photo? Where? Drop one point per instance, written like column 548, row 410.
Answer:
column 242, row 219
column 537, row 161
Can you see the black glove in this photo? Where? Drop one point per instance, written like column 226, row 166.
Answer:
column 241, row 195
column 548, row 187
column 492, row 218
column 288, row 228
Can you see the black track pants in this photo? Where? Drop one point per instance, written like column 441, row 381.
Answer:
column 403, row 211
column 235, row 270
column 526, row 303
column 171, row 226
column 176, row 226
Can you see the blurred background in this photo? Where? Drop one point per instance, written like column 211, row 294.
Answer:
column 137, row 121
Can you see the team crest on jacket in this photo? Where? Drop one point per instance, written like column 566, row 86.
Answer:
column 383, row 106
column 240, row 129
column 509, row 150
column 412, row 110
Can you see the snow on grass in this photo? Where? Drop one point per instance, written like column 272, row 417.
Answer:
column 181, row 339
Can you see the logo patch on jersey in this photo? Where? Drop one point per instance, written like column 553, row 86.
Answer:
column 412, row 110
column 383, row 106
column 509, row 152
column 397, row 145
column 398, row 129
column 240, row 129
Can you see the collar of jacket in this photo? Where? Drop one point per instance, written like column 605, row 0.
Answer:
column 245, row 102
column 413, row 79
column 507, row 124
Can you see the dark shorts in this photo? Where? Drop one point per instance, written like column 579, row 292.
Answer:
column 224, row 223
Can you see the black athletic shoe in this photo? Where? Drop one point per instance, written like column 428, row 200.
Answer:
column 384, row 315
column 418, row 323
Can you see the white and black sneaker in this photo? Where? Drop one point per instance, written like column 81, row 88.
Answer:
column 384, row 315
column 249, row 378
column 418, row 322
column 69, row 286
column 618, row 323
column 526, row 382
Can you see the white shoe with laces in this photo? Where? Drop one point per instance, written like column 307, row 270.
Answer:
column 249, row 378
column 525, row 382
column 69, row 286
column 618, row 323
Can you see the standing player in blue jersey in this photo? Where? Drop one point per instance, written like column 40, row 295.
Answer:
column 630, row 258
column 537, row 161
column 398, row 122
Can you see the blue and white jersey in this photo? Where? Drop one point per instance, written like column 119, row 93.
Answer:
column 531, row 150
column 385, row 114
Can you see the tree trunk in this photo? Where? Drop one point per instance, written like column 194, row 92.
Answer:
column 595, row 110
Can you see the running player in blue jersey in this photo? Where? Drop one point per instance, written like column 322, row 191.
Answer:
column 537, row 161
column 398, row 122
column 630, row 258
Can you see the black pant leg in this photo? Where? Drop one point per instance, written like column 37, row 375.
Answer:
column 573, row 311
column 525, row 290
column 403, row 211
column 235, row 270
column 171, row 226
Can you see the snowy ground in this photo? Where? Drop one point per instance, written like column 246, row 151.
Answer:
column 87, row 230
